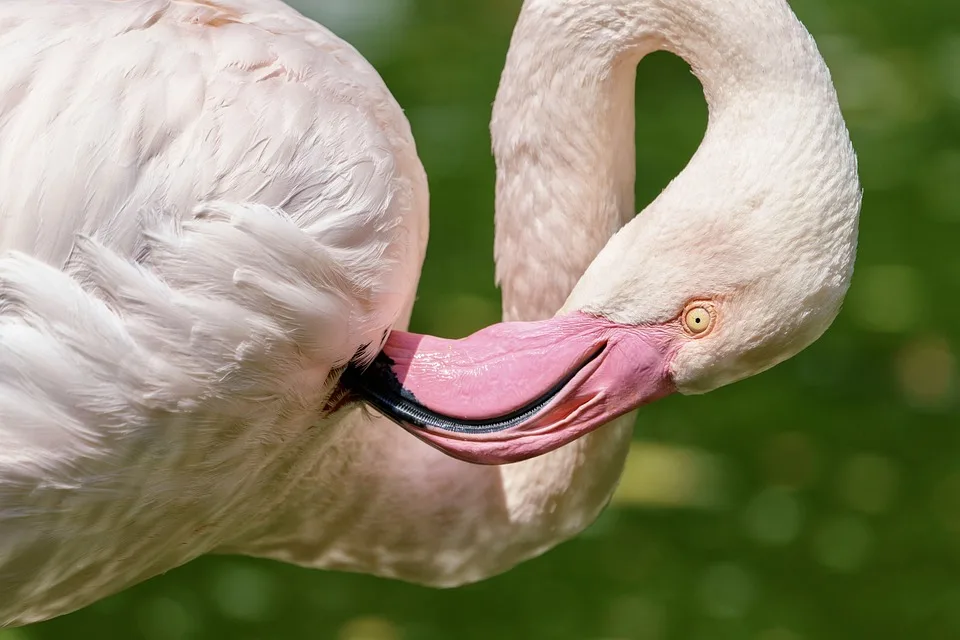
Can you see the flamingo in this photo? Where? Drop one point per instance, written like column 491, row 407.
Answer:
column 212, row 224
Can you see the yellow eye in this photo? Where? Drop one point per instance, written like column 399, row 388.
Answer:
column 697, row 319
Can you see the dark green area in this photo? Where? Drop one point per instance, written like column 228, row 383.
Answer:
column 841, row 468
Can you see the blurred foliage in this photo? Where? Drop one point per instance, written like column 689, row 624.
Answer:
column 818, row 501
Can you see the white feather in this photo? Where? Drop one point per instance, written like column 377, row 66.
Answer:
column 207, row 206
column 205, row 210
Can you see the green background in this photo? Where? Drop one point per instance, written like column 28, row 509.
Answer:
column 820, row 500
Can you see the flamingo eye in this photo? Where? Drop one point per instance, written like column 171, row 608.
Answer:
column 698, row 318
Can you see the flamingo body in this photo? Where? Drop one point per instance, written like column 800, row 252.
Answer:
column 205, row 210
column 212, row 223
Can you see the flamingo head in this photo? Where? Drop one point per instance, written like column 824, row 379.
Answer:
column 516, row 390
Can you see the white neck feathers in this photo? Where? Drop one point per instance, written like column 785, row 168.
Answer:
column 563, row 137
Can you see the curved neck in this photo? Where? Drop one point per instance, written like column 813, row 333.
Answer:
column 563, row 138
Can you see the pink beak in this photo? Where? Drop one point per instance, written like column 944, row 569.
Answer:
column 516, row 390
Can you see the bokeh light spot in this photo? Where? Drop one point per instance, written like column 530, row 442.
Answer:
column 949, row 65
column 727, row 591
column 886, row 298
column 773, row 516
column 869, row 483
column 926, row 370
column 165, row 619
column 789, row 459
column 843, row 543
column 657, row 474
column 636, row 617
column 244, row 593
column 369, row 628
